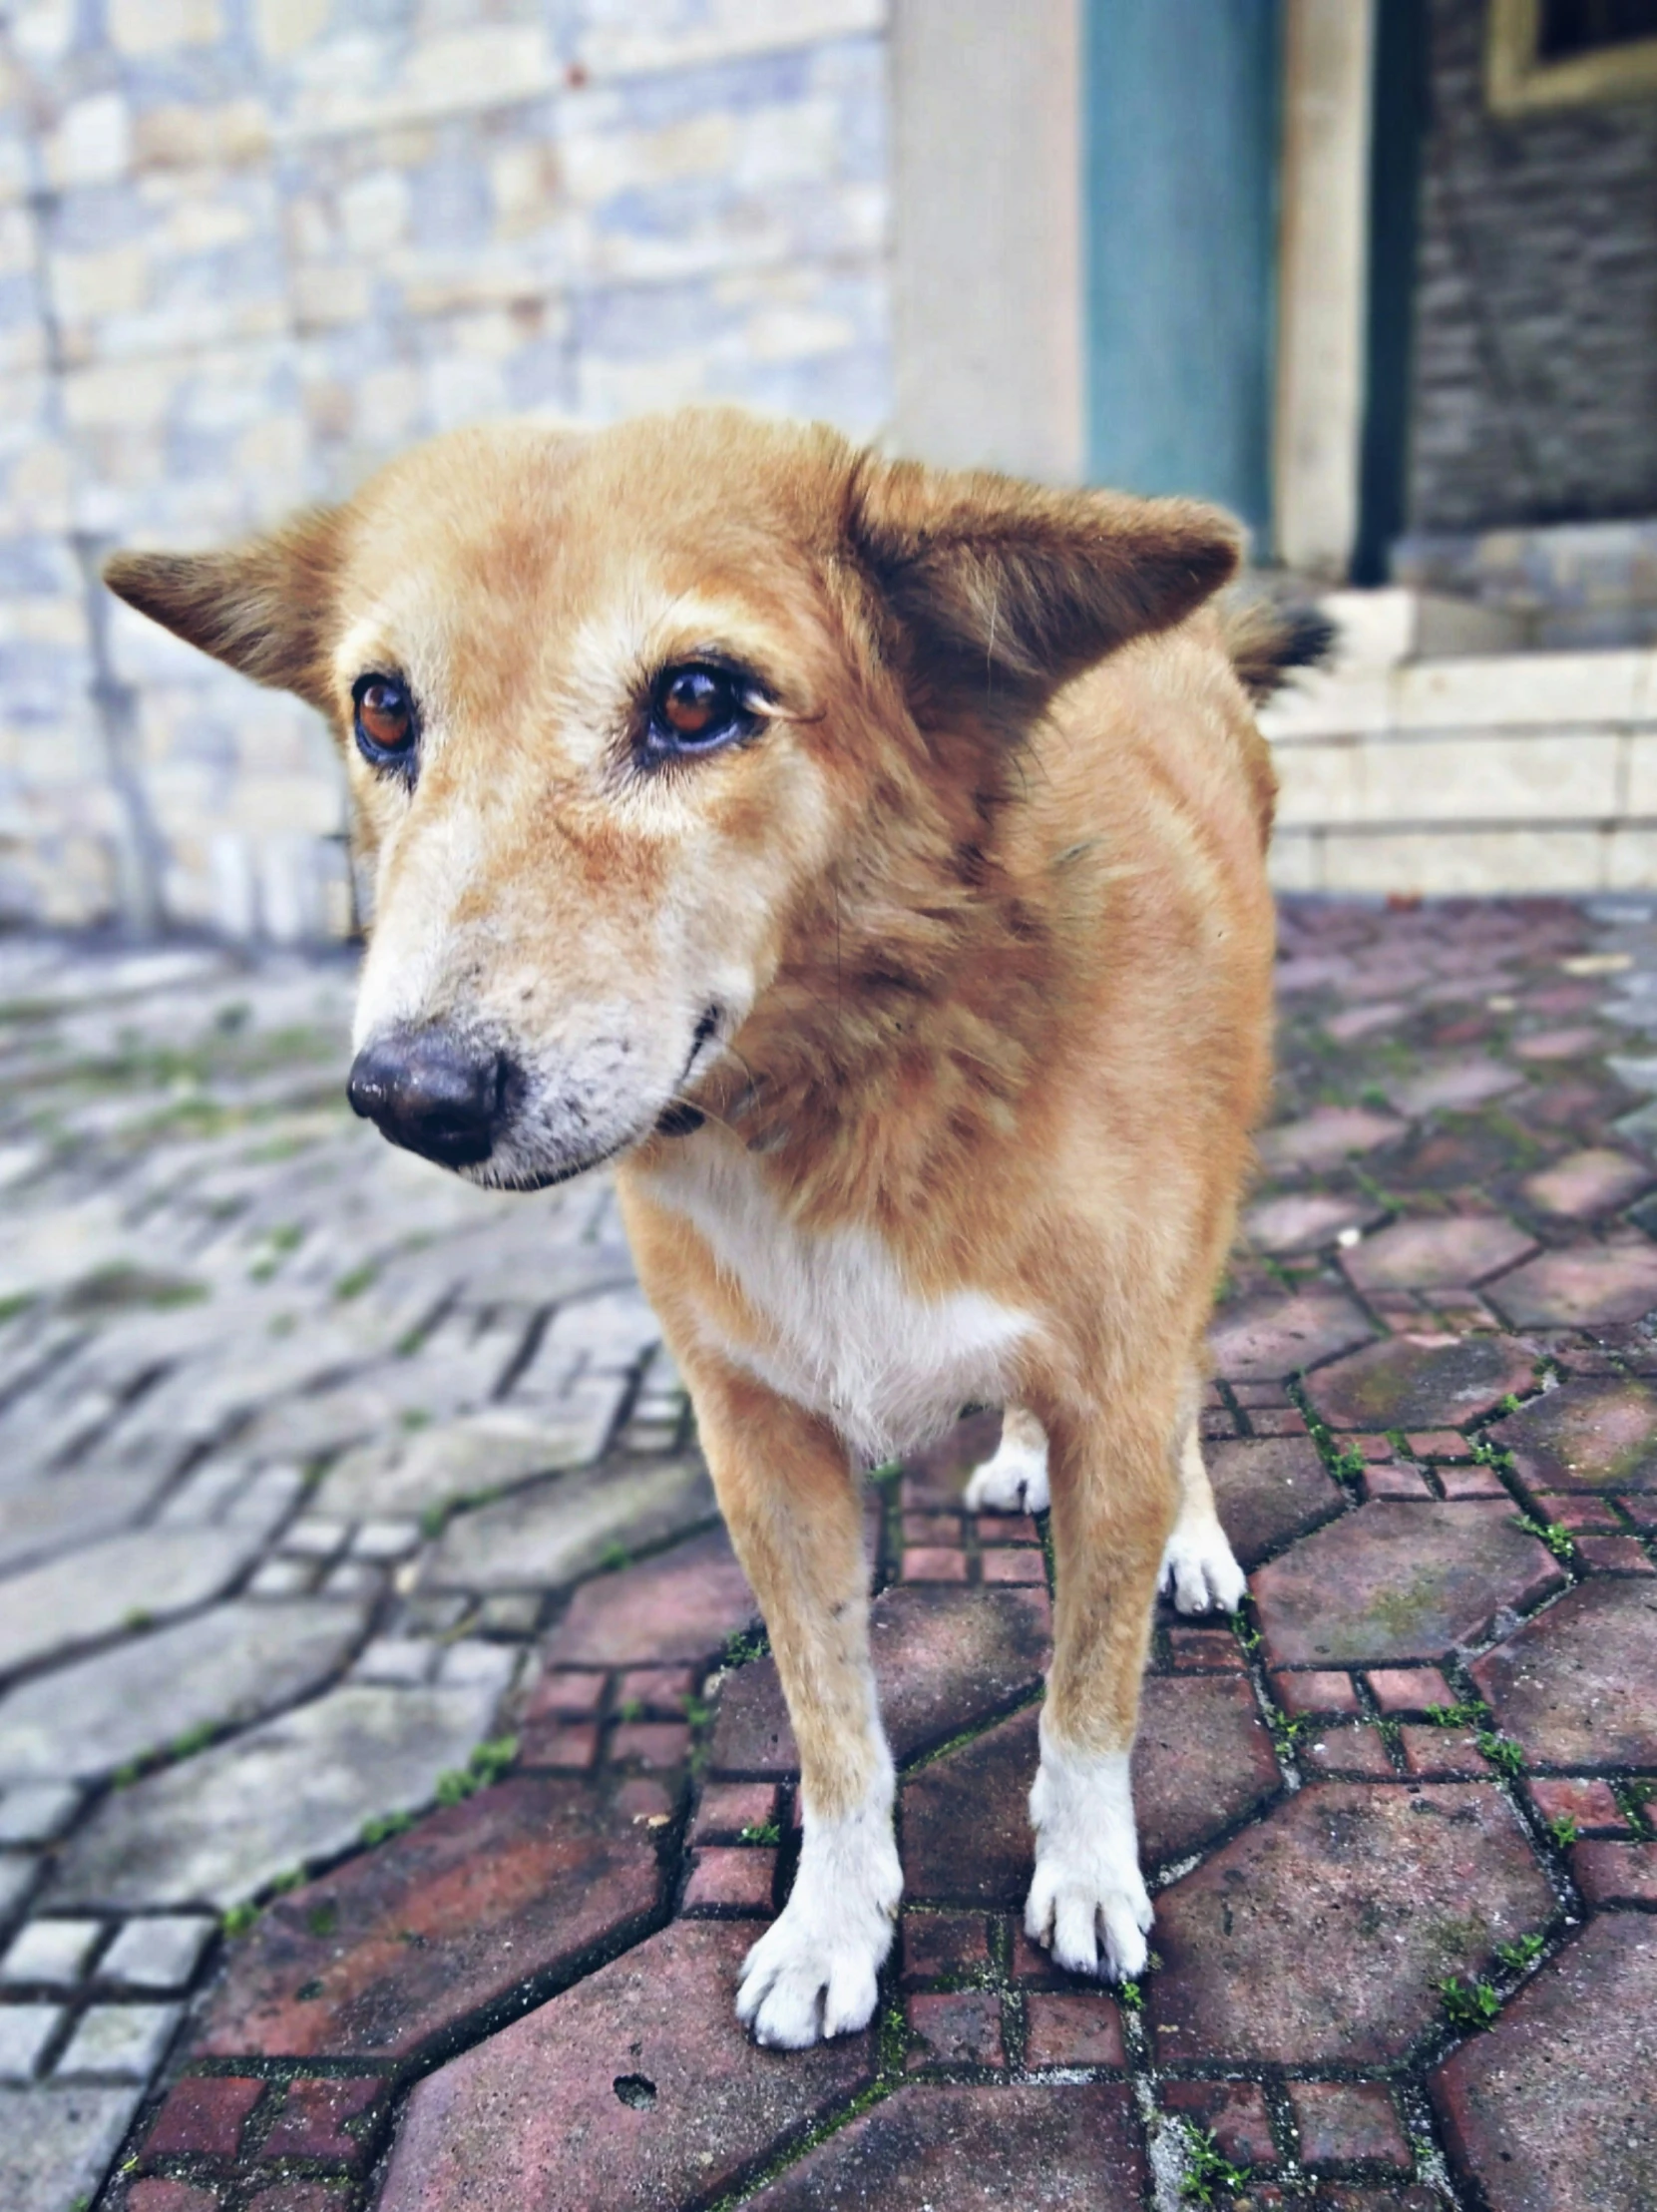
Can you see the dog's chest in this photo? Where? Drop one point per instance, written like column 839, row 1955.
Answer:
column 842, row 1333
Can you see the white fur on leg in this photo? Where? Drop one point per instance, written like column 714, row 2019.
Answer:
column 1087, row 1902
column 1014, row 1478
column 1198, row 1564
column 812, row 1975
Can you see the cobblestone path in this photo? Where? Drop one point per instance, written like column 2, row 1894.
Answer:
column 391, row 1777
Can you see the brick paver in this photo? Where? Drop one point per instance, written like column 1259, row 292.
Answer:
column 1270, row 1490
column 359, row 1582
column 1550, row 2109
column 1578, row 1685
column 1420, row 1380
column 1596, row 1436
column 1426, row 1256
column 1265, row 1338
column 1401, row 1581
column 404, row 1943
column 1322, row 1934
column 1069, row 2149
column 637, row 2087
column 945, row 1658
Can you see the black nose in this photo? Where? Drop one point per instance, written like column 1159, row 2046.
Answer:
column 432, row 1091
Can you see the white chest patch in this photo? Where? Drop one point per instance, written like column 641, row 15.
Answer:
column 849, row 1338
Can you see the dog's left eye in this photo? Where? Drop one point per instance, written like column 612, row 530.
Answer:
column 695, row 707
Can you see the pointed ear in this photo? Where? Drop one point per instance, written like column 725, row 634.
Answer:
column 1011, row 590
column 263, row 607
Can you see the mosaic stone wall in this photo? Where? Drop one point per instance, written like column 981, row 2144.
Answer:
column 251, row 247
column 1572, row 584
column 1535, row 377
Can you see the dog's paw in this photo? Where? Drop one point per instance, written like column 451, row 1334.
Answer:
column 1015, row 1479
column 1199, row 1569
column 801, row 1986
column 1087, row 1902
column 1092, row 1919
column 813, row 1974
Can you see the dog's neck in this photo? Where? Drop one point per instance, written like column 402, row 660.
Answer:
column 907, row 1019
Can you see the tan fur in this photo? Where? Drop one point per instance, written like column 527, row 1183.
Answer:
column 984, row 907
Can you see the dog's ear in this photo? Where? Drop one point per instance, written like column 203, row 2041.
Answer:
column 264, row 607
column 1008, row 591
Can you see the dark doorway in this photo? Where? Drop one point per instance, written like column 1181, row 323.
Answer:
column 1570, row 27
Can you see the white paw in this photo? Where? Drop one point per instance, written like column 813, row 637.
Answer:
column 814, row 1972
column 801, row 1986
column 1015, row 1479
column 1199, row 1569
column 1090, row 1925
column 1088, row 1902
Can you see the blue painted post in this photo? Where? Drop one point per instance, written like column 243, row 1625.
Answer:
column 1180, row 169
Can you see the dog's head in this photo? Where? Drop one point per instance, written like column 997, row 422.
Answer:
column 612, row 706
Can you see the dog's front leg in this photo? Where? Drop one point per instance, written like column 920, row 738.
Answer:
column 1114, row 1496
column 790, row 1501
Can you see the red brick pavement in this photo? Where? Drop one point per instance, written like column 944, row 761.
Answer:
column 1396, row 1814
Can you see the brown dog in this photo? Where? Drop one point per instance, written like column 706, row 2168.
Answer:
column 871, row 858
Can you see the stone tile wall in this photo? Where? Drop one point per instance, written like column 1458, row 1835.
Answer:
column 1535, row 376
column 251, row 247
column 1572, row 584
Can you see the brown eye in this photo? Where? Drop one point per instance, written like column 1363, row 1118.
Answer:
column 692, row 701
column 385, row 715
column 385, row 719
column 697, row 708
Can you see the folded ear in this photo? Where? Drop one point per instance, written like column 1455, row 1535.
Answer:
column 265, row 607
column 1011, row 590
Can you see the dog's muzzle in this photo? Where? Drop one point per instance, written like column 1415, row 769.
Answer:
column 434, row 1091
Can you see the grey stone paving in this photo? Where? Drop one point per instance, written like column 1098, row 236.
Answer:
column 162, row 1952
column 548, row 1538
column 125, row 1582
column 37, row 1811
column 16, row 1878
column 219, row 1829
column 433, row 1469
column 57, row 2141
column 51, row 1950
column 128, row 2041
column 75, row 1509
column 218, row 1670
column 297, row 1437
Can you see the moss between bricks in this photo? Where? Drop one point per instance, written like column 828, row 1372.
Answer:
column 487, row 1762
column 1206, row 2170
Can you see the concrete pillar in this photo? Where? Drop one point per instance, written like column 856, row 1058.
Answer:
column 1323, row 275
column 988, row 279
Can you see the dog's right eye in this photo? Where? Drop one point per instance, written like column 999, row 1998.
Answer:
column 697, row 707
column 384, row 721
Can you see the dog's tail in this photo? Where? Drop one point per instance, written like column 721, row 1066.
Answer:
column 1265, row 641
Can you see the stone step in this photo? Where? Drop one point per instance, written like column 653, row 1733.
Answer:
column 1407, row 769
column 1394, row 621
